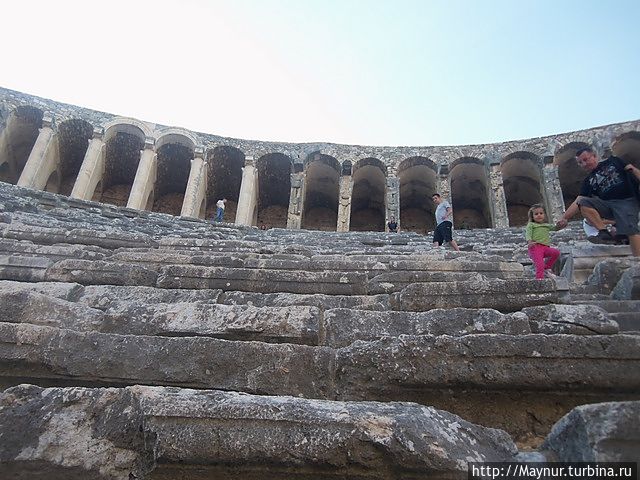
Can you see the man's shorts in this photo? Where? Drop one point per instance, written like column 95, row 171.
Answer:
column 442, row 234
column 624, row 211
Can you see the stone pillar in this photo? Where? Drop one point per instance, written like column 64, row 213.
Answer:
column 344, row 207
column 392, row 200
column 92, row 168
column 497, row 198
column 444, row 184
column 248, row 198
column 296, row 201
column 145, row 180
column 196, row 186
column 44, row 158
column 552, row 193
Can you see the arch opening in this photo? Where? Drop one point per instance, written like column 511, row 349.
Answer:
column 73, row 139
column 367, row 197
column 627, row 147
column 321, row 192
column 418, row 180
column 274, row 190
column 122, row 155
column 570, row 174
column 17, row 140
column 224, row 180
column 469, row 194
column 522, row 181
column 174, row 166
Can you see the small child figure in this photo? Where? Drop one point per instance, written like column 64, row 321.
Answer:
column 537, row 236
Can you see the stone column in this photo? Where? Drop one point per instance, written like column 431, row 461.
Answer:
column 344, row 207
column 196, row 186
column 552, row 193
column 392, row 200
column 444, row 184
column 92, row 168
column 145, row 180
column 248, row 198
column 44, row 158
column 296, row 201
column 497, row 198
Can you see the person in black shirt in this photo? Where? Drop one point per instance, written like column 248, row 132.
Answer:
column 608, row 195
column 392, row 225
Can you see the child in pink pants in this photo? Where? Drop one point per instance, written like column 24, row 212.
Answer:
column 537, row 235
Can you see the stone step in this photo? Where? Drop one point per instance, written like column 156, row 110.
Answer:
column 509, row 295
column 498, row 361
column 50, row 235
column 142, row 311
column 627, row 321
column 486, row 378
column 157, row 432
column 615, row 306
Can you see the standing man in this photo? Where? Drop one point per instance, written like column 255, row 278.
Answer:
column 220, row 209
column 444, row 223
column 608, row 196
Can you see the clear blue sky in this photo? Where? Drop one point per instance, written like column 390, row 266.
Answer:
column 376, row 72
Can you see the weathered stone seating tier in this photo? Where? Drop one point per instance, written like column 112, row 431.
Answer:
column 305, row 347
column 216, row 434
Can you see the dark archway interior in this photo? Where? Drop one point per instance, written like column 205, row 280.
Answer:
column 19, row 137
column 174, row 166
column 627, row 147
column 73, row 138
column 469, row 194
column 121, row 163
column 224, row 180
column 569, row 173
column 274, row 190
column 418, row 181
column 321, row 192
column 522, row 185
column 367, row 198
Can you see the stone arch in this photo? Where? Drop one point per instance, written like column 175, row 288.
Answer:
column 53, row 183
column 224, row 180
column 470, row 193
column 123, row 143
column 17, row 140
column 418, row 180
column 174, row 154
column 274, row 189
column 627, row 147
column 321, row 192
column 178, row 136
column 368, row 196
column 523, row 186
column 73, row 139
column 569, row 173
column 125, row 125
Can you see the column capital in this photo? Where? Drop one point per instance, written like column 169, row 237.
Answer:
column 149, row 143
column 48, row 120
column 249, row 161
column 98, row 133
column 198, row 152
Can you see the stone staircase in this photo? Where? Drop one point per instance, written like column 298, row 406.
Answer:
column 231, row 352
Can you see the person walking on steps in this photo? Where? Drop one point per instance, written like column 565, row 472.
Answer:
column 444, row 223
column 539, row 242
column 220, row 209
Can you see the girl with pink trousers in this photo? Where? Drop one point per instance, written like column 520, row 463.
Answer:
column 537, row 236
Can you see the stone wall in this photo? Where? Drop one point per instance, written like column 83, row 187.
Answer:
column 490, row 185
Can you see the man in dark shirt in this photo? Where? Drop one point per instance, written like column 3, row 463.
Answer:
column 392, row 225
column 608, row 193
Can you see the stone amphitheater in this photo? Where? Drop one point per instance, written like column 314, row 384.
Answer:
column 298, row 339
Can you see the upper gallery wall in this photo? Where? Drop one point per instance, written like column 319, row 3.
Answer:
column 123, row 161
